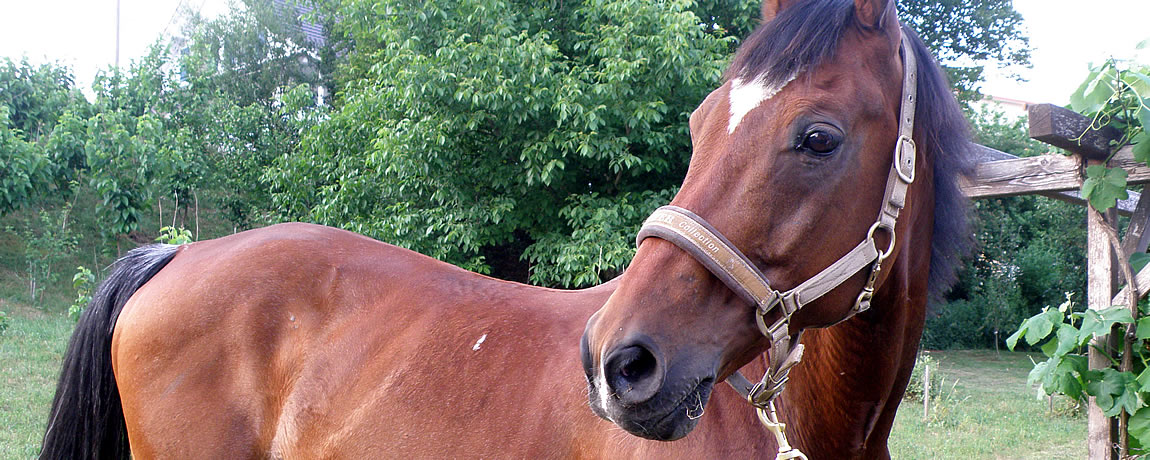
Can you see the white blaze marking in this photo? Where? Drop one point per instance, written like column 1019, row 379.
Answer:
column 603, row 390
column 479, row 342
column 744, row 97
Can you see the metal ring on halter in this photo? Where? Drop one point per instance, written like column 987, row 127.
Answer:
column 889, row 247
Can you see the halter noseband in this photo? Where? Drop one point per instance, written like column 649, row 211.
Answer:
column 708, row 246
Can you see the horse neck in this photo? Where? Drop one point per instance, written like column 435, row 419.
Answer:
column 841, row 399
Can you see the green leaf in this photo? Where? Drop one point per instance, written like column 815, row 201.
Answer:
column 1065, row 379
column 1139, row 426
column 1042, row 373
column 1138, row 260
column 1036, row 327
column 1143, row 330
column 1060, row 375
column 1119, row 314
column 1013, row 339
column 1113, row 391
column 1099, row 322
column 1142, row 143
column 1139, row 81
column 1094, row 92
column 1104, row 186
column 1144, row 380
column 1067, row 339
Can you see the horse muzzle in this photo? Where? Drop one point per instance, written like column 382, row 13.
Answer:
column 640, row 390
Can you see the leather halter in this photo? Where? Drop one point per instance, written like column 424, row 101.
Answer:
column 710, row 248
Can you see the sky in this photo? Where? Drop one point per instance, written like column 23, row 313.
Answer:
column 82, row 33
column 1065, row 37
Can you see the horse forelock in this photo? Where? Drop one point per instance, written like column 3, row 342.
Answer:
column 807, row 34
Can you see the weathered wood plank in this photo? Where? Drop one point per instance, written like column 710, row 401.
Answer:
column 1137, row 238
column 1099, row 292
column 1023, row 176
column 1067, row 129
column 1142, row 279
column 1125, row 207
column 1053, row 175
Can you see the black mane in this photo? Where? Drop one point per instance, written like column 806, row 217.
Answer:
column 808, row 33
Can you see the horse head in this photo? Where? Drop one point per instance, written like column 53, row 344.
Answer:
column 792, row 162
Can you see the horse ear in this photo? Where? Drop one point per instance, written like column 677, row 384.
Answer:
column 873, row 13
column 771, row 8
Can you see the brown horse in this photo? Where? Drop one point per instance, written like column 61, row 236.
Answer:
column 300, row 341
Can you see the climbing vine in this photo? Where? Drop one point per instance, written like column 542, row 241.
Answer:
column 1116, row 94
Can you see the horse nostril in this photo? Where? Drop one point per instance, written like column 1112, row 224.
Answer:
column 633, row 374
column 637, row 366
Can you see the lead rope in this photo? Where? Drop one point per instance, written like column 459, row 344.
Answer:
column 710, row 248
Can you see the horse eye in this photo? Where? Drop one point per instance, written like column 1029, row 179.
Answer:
column 820, row 142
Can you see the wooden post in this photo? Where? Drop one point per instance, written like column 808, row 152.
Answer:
column 926, row 392
column 1099, row 289
column 1064, row 128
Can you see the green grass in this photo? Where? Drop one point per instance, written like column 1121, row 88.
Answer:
column 30, row 353
column 991, row 413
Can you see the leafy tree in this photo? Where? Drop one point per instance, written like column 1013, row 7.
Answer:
column 36, row 96
column 121, row 152
column 23, row 167
column 488, row 124
column 966, row 35
column 251, row 79
column 32, row 101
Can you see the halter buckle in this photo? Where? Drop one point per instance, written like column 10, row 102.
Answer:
column 905, row 163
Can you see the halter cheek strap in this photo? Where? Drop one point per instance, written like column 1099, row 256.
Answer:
column 709, row 247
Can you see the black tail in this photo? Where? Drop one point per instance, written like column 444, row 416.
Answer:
column 87, row 421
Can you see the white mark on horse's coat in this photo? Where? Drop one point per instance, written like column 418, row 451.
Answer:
column 603, row 391
column 479, row 342
column 745, row 96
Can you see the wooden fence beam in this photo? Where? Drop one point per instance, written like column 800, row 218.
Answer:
column 1142, row 279
column 1057, row 176
column 1066, row 129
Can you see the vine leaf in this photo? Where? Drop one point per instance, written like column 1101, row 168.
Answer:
column 1100, row 321
column 1035, row 328
column 1142, row 143
column 1092, row 95
column 1144, row 380
column 1067, row 339
column 1144, row 111
column 1059, row 374
column 1143, row 332
column 1104, row 186
column 1138, row 261
column 1113, row 391
column 1139, row 426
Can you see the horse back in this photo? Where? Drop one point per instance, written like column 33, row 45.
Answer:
column 304, row 341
